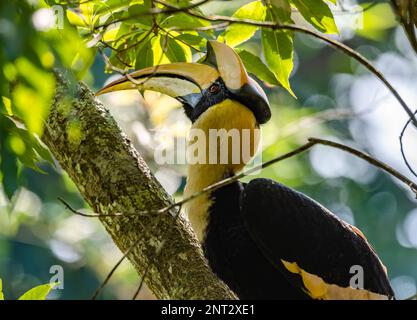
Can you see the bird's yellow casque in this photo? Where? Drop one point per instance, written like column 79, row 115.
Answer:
column 262, row 239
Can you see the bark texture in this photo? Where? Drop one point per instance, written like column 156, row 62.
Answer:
column 112, row 177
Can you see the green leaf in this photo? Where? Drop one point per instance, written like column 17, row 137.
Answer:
column 183, row 21
column 32, row 96
column 8, row 167
column 280, row 11
column 26, row 146
column 377, row 21
column 76, row 19
column 139, row 15
column 256, row 66
column 238, row 33
column 87, row 10
column 1, row 290
column 192, row 40
column 173, row 50
column 278, row 51
column 7, row 105
column 32, row 142
column 38, row 292
column 318, row 14
column 179, row 3
column 144, row 55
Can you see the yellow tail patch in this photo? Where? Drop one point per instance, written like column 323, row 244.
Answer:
column 317, row 288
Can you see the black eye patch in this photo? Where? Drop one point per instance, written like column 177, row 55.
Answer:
column 211, row 96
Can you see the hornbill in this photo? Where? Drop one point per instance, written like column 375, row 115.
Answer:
column 263, row 239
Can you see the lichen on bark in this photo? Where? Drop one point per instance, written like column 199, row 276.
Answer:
column 112, row 177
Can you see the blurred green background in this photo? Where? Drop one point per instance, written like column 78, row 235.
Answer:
column 336, row 99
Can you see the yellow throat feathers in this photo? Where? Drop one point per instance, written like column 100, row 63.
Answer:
column 228, row 115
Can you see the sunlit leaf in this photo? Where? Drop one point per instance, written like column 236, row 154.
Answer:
column 26, row 146
column 110, row 35
column 39, row 292
column 144, row 55
column 159, row 48
column 139, row 15
column 376, row 21
column 179, row 3
column 280, row 11
column 8, row 166
column 7, row 105
column 174, row 51
column 31, row 107
column 318, row 14
column 278, row 51
column 1, row 290
column 256, row 66
column 76, row 19
column 237, row 33
column 184, row 21
column 192, row 40
column 87, row 10
column 34, row 143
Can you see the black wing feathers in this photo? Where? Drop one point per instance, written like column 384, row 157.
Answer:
column 288, row 225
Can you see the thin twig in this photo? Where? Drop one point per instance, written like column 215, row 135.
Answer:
column 151, row 261
column 142, row 282
column 92, row 215
column 338, row 45
column 311, row 142
column 110, row 274
column 154, row 12
column 369, row 159
column 118, row 70
column 402, row 147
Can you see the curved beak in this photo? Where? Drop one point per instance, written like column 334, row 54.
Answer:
column 187, row 82
column 183, row 81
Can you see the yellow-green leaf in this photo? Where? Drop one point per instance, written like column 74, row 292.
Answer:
column 7, row 105
column 318, row 14
column 278, row 51
column 87, row 10
column 111, row 34
column 237, row 33
column 192, row 39
column 144, row 55
column 75, row 19
column 159, row 49
column 377, row 21
column 174, row 51
column 255, row 65
column 182, row 20
column 280, row 11
column 38, row 292
column 1, row 290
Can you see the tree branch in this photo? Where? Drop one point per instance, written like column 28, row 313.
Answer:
column 405, row 11
column 334, row 43
column 112, row 177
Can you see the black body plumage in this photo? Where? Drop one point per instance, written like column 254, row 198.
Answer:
column 252, row 227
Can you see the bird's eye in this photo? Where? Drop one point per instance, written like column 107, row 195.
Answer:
column 214, row 88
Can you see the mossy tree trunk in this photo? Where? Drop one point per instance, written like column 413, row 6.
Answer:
column 112, row 177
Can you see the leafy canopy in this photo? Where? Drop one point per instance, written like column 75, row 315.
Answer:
column 129, row 34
